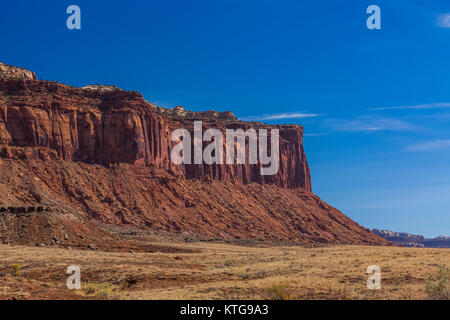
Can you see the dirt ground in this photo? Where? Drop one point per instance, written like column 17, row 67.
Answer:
column 220, row 271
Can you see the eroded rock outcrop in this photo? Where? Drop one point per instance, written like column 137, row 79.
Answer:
column 179, row 112
column 101, row 88
column 10, row 72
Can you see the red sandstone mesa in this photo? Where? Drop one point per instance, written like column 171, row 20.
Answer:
column 106, row 152
column 119, row 126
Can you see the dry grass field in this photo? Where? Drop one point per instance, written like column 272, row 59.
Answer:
column 220, row 271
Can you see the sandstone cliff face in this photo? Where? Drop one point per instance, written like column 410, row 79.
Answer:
column 95, row 125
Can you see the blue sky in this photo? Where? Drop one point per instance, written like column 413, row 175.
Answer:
column 375, row 104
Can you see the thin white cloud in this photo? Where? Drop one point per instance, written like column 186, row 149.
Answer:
column 443, row 21
column 280, row 116
column 440, row 105
column 369, row 124
column 313, row 134
column 430, row 146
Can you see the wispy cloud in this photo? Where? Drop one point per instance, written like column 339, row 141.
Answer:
column 440, row 105
column 369, row 124
column 314, row 134
column 280, row 116
column 443, row 21
column 430, row 146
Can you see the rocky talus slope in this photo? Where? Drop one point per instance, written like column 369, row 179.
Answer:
column 105, row 153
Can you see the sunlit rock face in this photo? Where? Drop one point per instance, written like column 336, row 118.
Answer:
column 11, row 72
column 104, row 125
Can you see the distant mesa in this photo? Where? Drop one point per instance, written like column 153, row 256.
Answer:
column 413, row 240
